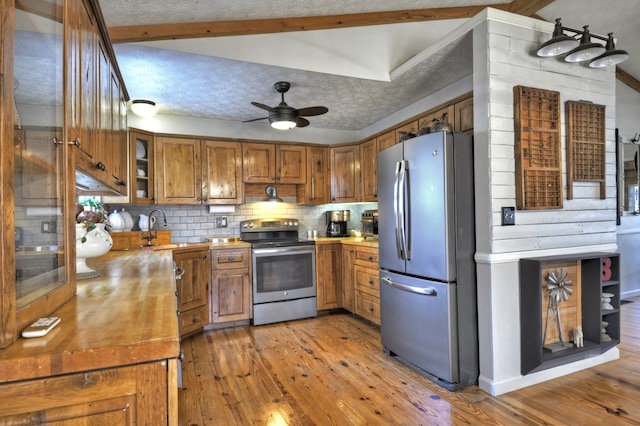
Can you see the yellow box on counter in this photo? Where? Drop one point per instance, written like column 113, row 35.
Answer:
column 131, row 239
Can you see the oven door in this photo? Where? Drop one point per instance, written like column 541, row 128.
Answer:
column 283, row 273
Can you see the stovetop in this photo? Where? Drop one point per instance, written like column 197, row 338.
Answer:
column 272, row 232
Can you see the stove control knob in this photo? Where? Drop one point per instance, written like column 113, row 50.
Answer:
column 250, row 224
column 295, row 223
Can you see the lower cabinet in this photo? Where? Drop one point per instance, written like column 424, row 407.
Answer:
column 367, row 284
column 360, row 288
column 137, row 394
column 230, row 285
column 192, row 289
column 329, row 275
column 348, row 279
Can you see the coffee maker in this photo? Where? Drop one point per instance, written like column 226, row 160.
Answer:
column 337, row 223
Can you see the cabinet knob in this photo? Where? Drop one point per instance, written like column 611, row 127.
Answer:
column 100, row 165
column 230, row 258
column 370, row 258
column 75, row 142
column 194, row 320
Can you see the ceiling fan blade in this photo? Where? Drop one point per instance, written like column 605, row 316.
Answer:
column 311, row 111
column 302, row 122
column 255, row 119
column 263, row 106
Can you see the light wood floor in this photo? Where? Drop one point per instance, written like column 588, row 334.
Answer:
column 332, row 371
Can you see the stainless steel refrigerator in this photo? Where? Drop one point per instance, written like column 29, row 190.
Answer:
column 426, row 231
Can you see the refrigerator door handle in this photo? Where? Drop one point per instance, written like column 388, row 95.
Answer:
column 396, row 208
column 425, row 291
column 402, row 203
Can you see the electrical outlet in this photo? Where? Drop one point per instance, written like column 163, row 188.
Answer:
column 48, row 227
column 221, row 222
column 508, row 216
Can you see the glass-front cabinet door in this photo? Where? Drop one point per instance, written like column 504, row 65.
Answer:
column 39, row 190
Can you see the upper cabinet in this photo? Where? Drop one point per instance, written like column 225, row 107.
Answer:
column 317, row 188
column 271, row 163
column 369, row 168
column 345, row 174
column 191, row 171
column 463, row 116
column 142, row 167
column 99, row 111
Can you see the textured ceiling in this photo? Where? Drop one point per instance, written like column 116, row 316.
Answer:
column 349, row 70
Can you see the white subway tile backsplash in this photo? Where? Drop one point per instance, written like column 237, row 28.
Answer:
column 191, row 224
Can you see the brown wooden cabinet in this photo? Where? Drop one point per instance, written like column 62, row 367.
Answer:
column 192, row 289
column 141, row 152
column 273, row 163
column 38, row 167
column 194, row 171
column 329, row 275
column 369, row 170
column 345, row 174
column 136, row 394
column 367, row 284
column 317, row 188
column 427, row 120
column 100, row 136
column 463, row 116
column 348, row 284
column 230, row 285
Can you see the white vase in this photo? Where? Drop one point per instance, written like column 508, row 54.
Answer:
column 128, row 220
column 98, row 242
column 117, row 221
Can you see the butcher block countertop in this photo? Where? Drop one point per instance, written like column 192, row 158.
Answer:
column 360, row 241
column 126, row 316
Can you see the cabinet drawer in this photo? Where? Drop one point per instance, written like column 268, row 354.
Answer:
column 193, row 320
column 230, row 259
column 367, row 281
column 367, row 258
column 368, row 306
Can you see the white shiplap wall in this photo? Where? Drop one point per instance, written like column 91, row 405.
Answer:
column 504, row 57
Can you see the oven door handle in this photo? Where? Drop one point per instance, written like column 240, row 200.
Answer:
column 284, row 249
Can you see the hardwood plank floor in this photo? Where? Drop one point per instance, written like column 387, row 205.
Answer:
column 331, row 371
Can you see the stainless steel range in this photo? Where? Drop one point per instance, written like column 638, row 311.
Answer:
column 284, row 270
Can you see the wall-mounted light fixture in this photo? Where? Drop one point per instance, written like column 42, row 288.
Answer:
column 143, row 108
column 580, row 48
column 272, row 194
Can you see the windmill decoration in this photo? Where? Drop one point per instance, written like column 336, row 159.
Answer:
column 557, row 291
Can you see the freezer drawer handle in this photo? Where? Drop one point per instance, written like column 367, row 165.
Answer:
column 427, row 291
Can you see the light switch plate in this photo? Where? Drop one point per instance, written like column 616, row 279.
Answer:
column 508, row 216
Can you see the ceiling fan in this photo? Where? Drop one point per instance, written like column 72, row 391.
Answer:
column 284, row 117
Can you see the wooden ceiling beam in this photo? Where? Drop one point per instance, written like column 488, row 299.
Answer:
column 528, row 7
column 628, row 79
column 136, row 33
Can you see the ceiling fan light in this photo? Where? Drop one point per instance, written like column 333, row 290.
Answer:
column 586, row 50
column 612, row 56
column 143, row 108
column 282, row 124
column 559, row 44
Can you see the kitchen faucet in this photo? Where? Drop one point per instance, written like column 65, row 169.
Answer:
column 149, row 236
